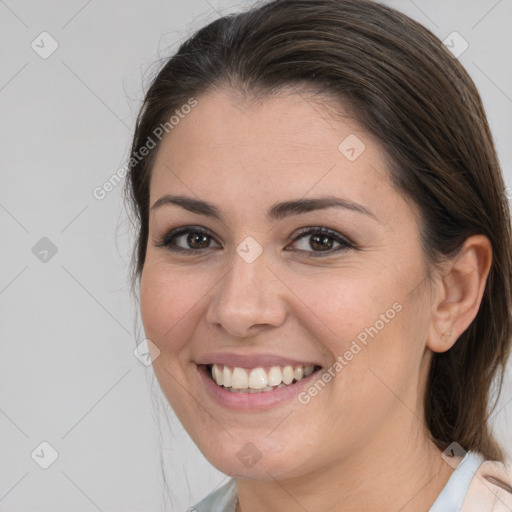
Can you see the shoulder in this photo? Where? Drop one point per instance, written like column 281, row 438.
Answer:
column 221, row 500
column 490, row 489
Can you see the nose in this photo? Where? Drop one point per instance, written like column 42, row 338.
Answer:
column 249, row 298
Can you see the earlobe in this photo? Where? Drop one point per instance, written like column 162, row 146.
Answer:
column 460, row 291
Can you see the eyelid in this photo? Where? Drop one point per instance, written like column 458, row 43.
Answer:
column 300, row 233
column 325, row 230
column 345, row 242
column 182, row 230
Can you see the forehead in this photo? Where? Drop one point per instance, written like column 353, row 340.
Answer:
column 289, row 137
column 286, row 122
column 244, row 156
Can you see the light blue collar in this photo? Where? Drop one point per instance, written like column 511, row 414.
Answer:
column 451, row 497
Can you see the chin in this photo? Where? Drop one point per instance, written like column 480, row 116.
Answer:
column 253, row 463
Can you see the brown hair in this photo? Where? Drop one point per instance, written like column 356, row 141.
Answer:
column 406, row 89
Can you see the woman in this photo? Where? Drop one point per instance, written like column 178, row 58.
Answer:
column 324, row 261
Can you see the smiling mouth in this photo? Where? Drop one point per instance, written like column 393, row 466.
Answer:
column 260, row 379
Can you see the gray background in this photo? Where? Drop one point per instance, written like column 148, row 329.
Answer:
column 68, row 324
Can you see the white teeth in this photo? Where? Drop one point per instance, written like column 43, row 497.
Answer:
column 288, row 374
column 218, row 375
column 275, row 376
column 298, row 372
column 239, row 379
column 257, row 379
column 308, row 370
column 226, row 377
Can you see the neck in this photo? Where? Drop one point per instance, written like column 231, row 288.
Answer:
column 388, row 478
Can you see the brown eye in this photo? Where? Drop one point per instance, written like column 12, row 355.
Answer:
column 321, row 240
column 187, row 239
column 197, row 240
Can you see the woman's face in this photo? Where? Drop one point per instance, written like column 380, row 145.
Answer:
column 258, row 292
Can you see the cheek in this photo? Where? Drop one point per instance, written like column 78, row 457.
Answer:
column 345, row 305
column 382, row 355
column 170, row 304
column 368, row 320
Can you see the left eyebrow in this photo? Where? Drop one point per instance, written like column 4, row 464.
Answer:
column 286, row 208
column 276, row 212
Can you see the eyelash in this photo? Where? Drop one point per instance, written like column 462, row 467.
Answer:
column 166, row 240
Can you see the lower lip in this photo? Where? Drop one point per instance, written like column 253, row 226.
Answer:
column 252, row 401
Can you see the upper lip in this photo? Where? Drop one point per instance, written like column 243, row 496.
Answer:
column 252, row 360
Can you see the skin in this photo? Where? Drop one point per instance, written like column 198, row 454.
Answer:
column 361, row 443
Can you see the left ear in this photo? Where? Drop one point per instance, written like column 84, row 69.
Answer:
column 459, row 293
